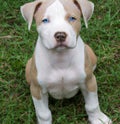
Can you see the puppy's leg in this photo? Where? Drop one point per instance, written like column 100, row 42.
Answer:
column 95, row 115
column 41, row 107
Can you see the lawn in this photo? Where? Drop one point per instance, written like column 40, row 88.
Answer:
column 17, row 46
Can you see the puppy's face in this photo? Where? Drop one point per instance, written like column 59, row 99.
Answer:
column 59, row 26
column 58, row 21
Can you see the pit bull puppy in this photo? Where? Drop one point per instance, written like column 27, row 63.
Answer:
column 61, row 64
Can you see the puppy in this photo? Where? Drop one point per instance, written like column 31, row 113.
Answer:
column 61, row 64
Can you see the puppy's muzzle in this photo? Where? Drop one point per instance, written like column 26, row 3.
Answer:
column 60, row 37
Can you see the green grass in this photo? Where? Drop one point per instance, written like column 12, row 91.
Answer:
column 17, row 46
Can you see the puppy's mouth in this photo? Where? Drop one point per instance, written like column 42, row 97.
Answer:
column 61, row 45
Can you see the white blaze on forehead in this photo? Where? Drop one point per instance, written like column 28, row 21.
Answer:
column 56, row 14
column 55, row 10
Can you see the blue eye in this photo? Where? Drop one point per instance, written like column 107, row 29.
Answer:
column 71, row 19
column 45, row 20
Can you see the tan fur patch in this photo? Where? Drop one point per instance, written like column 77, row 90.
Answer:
column 27, row 71
column 39, row 14
column 93, row 57
column 72, row 11
column 91, row 84
column 31, row 77
column 90, row 62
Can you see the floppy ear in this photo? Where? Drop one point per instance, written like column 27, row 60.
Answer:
column 28, row 11
column 87, row 9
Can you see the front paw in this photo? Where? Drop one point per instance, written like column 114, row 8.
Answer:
column 100, row 118
column 44, row 118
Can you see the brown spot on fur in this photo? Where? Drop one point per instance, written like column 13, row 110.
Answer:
column 72, row 11
column 31, row 77
column 90, row 62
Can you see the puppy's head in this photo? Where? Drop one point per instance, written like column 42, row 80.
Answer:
column 58, row 21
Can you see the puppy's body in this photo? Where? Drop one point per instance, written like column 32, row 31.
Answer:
column 62, row 64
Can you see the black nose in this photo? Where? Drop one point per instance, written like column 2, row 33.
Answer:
column 60, row 36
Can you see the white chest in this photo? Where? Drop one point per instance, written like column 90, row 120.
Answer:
column 64, row 83
column 60, row 74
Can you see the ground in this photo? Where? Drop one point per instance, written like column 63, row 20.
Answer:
column 17, row 46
